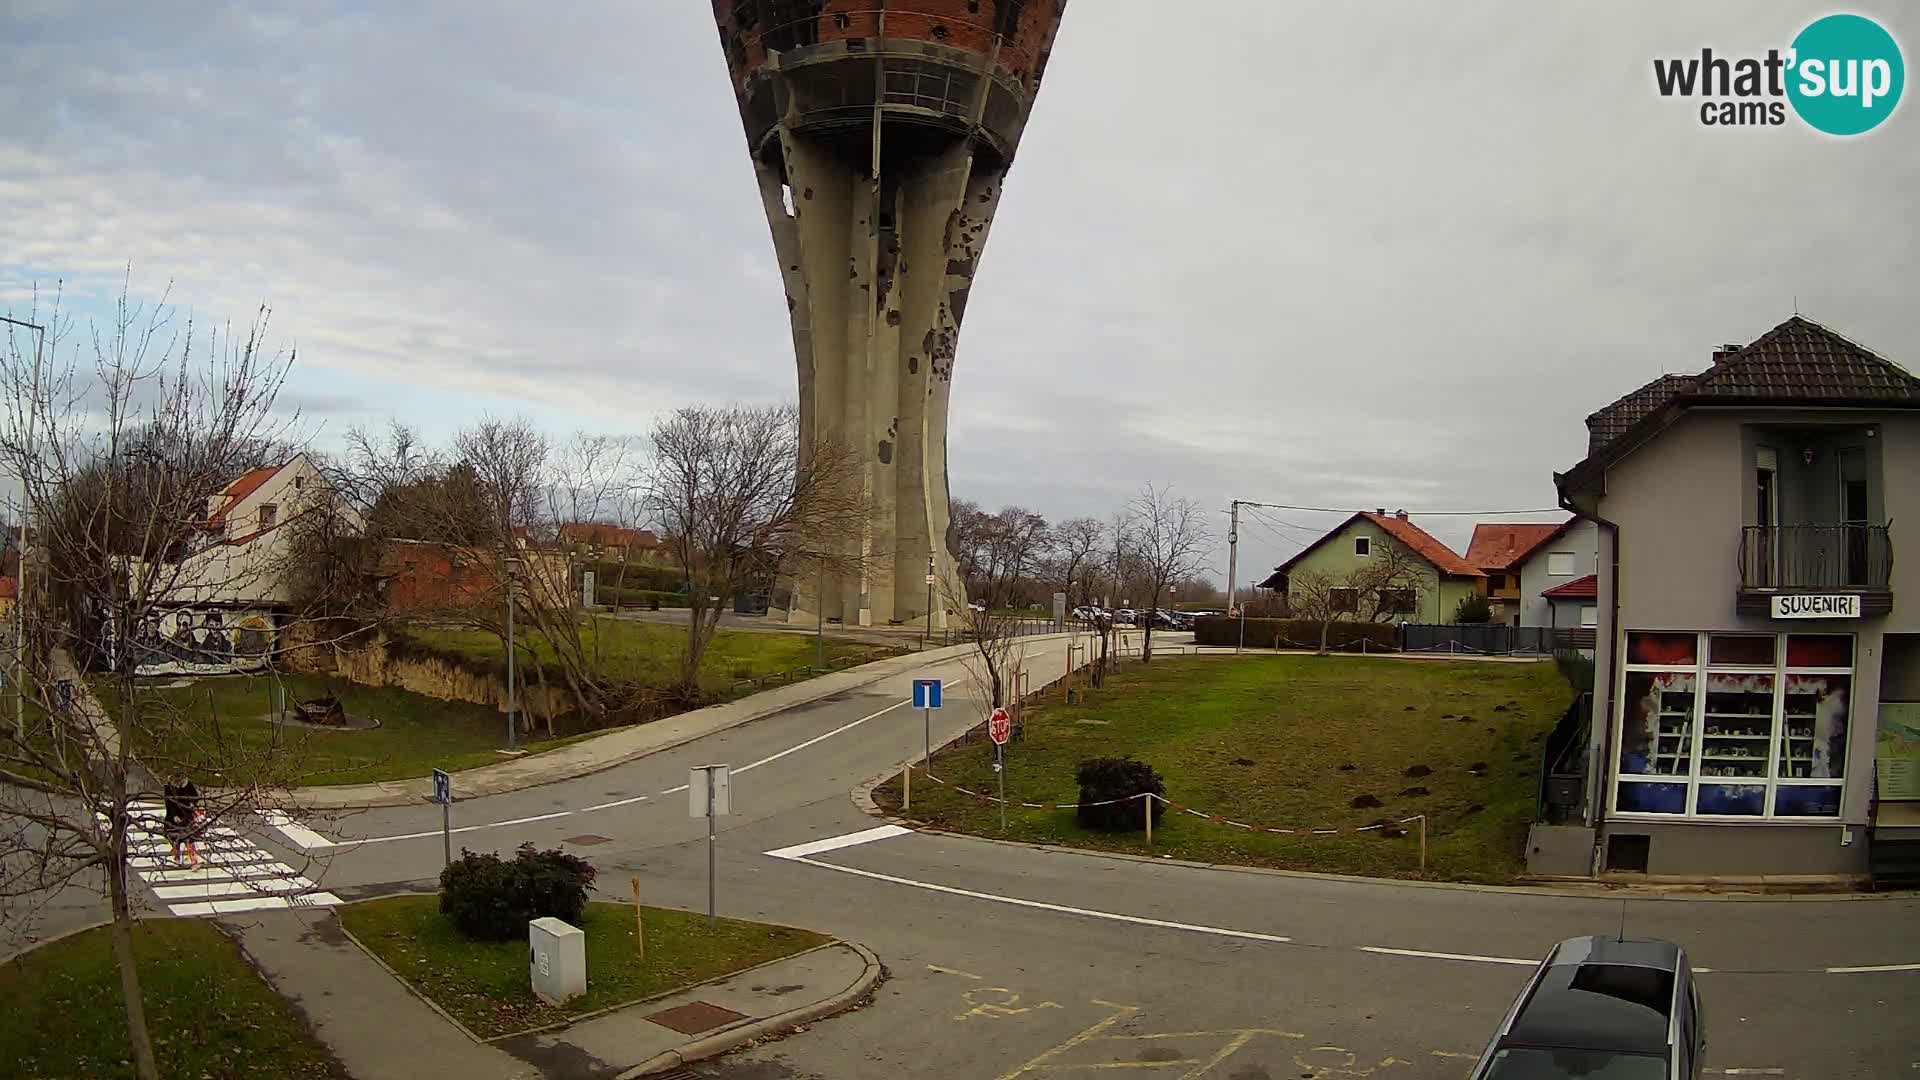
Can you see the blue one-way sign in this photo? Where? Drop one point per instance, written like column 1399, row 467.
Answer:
column 926, row 693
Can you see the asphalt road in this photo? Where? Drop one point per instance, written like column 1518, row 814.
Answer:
column 1010, row 961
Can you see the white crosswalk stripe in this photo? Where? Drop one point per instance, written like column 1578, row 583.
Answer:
column 233, row 875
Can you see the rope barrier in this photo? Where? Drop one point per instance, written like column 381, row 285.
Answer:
column 1170, row 804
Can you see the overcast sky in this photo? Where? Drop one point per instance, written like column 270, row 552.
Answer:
column 1361, row 254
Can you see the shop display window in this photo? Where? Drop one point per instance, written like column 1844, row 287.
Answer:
column 1734, row 725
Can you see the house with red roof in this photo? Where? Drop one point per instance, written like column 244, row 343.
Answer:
column 1445, row 578
column 1525, row 561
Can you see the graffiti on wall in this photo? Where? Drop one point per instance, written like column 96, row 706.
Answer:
column 203, row 641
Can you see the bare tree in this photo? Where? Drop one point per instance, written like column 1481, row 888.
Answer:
column 1078, row 545
column 592, row 479
column 118, row 455
column 1171, row 542
column 740, row 496
column 1389, row 585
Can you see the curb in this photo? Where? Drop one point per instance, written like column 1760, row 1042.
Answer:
column 862, row 797
column 410, row 797
column 61, row 936
column 734, row 1038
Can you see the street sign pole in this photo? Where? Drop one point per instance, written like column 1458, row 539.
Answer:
column 443, row 794
column 710, row 795
column 1000, row 766
column 926, row 736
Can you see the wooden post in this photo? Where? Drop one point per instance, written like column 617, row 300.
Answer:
column 1423, row 841
column 1146, row 803
column 639, row 924
column 906, row 789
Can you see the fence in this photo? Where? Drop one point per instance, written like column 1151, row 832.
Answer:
column 1563, row 765
column 1492, row 639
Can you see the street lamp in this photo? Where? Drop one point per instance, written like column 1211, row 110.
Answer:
column 513, row 569
column 26, row 518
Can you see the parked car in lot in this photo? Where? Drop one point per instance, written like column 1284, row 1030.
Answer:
column 1602, row 1008
column 1126, row 616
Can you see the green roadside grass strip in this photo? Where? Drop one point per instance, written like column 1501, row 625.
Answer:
column 1262, row 740
column 208, row 1013
column 484, row 984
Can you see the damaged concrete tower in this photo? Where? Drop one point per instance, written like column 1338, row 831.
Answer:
column 881, row 137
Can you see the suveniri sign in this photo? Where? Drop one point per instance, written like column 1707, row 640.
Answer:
column 1816, row 607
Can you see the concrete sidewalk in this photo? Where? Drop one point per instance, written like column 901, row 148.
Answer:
column 707, row 1020
column 626, row 744
column 372, row 1023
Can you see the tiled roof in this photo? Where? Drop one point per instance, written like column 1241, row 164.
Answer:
column 1802, row 361
column 9, row 588
column 1416, row 539
column 1798, row 362
column 1613, row 421
column 1423, row 544
column 1586, row 588
column 248, row 483
column 1501, row 545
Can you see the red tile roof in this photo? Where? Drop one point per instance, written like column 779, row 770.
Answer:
column 9, row 588
column 1424, row 544
column 1586, row 588
column 1503, row 545
column 248, row 483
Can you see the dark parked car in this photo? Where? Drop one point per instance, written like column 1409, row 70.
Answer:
column 1601, row 1008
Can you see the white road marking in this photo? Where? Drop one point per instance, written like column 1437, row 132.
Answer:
column 256, row 903
column 224, row 873
column 297, row 834
column 835, row 843
column 215, row 889
column 1040, row 905
column 1516, row 961
column 216, row 858
column 1865, row 968
column 1748, row 1072
column 461, row 829
column 614, row 803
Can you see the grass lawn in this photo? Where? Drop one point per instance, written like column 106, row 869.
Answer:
column 649, row 653
column 416, row 733
column 484, row 983
column 1286, row 742
column 208, row 1013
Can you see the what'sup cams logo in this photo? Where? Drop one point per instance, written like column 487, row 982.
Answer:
column 1842, row 75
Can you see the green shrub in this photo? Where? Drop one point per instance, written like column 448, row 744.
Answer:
column 1577, row 669
column 1344, row 635
column 490, row 899
column 1472, row 608
column 1105, row 779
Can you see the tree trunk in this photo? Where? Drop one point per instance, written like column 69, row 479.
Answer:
column 1146, row 641
column 143, row 1063
column 1326, row 625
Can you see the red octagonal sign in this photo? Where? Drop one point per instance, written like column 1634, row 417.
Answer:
column 999, row 727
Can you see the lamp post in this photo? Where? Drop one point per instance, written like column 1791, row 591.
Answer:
column 927, row 630
column 513, row 718
column 26, row 518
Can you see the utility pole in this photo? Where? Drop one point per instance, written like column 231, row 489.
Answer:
column 26, row 521
column 1233, row 561
column 820, row 621
column 926, row 630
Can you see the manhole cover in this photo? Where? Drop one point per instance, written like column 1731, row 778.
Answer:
column 695, row 1017
column 586, row 839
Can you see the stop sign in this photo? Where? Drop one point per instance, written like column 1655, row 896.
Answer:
column 999, row 727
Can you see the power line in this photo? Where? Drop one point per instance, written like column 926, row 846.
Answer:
column 1422, row 513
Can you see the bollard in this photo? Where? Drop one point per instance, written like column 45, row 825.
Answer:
column 1146, row 803
column 639, row 925
column 1423, row 842
column 906, row 789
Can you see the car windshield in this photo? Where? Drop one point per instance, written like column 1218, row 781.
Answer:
column 1529, row 1063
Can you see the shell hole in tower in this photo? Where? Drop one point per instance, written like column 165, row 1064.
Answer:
column 786, row 198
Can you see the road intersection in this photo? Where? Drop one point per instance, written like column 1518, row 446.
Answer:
column 1012, row 961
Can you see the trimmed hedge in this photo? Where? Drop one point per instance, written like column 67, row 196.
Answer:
column 1103, row 780
column 606, row 575
column 491, row 899
column 1345, row 634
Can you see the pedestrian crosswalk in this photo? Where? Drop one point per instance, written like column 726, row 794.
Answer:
column 234, row 874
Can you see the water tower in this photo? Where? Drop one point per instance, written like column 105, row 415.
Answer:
column 881, row 135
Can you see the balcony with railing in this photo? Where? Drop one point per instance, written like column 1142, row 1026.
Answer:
column 1854, row 559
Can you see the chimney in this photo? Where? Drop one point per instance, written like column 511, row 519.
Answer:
column 1401, row 514
column 1722, row 354
column 1381, row 510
